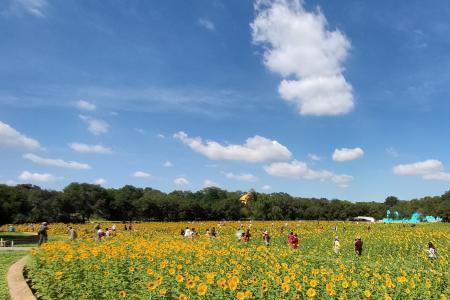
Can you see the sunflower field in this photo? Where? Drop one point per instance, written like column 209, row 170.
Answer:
column 154, row 261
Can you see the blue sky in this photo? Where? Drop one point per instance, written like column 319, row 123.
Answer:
column 315, row 98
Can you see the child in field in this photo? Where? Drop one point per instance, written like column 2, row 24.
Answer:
column 336, row 246
column 432, row 252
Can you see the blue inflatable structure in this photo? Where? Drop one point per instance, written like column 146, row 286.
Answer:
column 415, row 218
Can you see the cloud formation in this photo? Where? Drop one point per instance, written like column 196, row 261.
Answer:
column 56, row 162
column 11, row 138
column 84, row 105
column 85, row 148
column 32, row 7
column 314, row 157
column 168, row 164
column 210, row 183
column 37, row 177
column 241, row 177
column 95, row 126
column 430, row 169
column 255, row 149
column 207, row 24
column 141, row 174
column 100, row 181
column 181, row 181
column 266, row 187
column 297, row 43
column 300, row 170
column 346, row 154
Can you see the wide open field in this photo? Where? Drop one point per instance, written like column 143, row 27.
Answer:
column 155, row 262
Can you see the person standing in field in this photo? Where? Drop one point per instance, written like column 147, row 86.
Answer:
column 239, row 233
column 96, row 229
column 432, row 252
column 266, row 237
column 295, row 242
column 187, row 232
column 291, row 239
column 42, row 233
column 72, row 233
column 358, row 246
column 336, row 246
column 247, row 235
column 213, row 233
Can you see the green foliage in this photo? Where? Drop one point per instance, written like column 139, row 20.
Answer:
column 79, row 202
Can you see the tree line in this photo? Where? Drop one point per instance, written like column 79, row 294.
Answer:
column 80, row 202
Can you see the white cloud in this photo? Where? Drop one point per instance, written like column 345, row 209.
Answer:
column 100, row 181
column 300, row 170
column 255, row 149
column 141, row 174
column 161, row 136
column 139, row 130
column 168, row 164
column 181, row 181
column 342, row 180
column 298, row 43
column 37, row 177
column 430, row 169
column 313, row 156
column 85, row 148
column 84, row 105
column 430, row 166
column 32, row 7
column 346, row 154
column 241, row 177
column 439, row 176
column 95, row 126
column 56, row 162
column 392, row 152
column 11, row 138
column 207, row 24
column 210, row 183
column 266, row 187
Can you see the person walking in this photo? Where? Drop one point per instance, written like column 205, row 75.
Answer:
column 358, row 246
column 336, row 246
column 42, row 233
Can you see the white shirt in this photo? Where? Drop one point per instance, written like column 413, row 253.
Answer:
column 431, row 253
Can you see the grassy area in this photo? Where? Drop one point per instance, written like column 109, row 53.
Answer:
column 7, row 258
column 20, row 239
